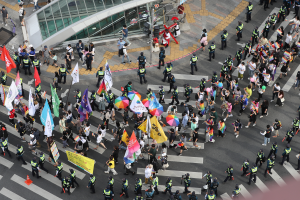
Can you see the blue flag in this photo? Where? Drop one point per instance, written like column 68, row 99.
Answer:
column 44, row 114
column 153, row 102
column 85, row 103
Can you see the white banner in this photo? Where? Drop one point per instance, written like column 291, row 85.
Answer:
column 108, row 80
column 75, row 75
column 31, row 104
column 148, row 125
column 137, row 106
column 11, row 95
column 48, row 126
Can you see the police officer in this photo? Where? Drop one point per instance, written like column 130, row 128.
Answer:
column 3, row 78
column 192, row 196
column 282, row 11
column 212, row 49
column 78, row 96
column 245, row 167
column 229, row 172
column 239, row 30
column 229, row 62
column 267, row 29
column 20, row 153
column 187, row 183
column 168, row 186
column 224, row 71
column 93, row 100
column 208, row 176
column 236, row 192
column 289, row 135
column 138, row 186
column 17, row 61
column 111, row 96
column 273, row 20
column 162, row 56
column 172, row 81
column 63, row 72
column 202, row 84
column 239, row 56
column 35, row 168
column 167, row 71
column 149, row 93
column 297, row 4
column 38, row 91
column 249, row 11
column 193, row 63
column 65, row 183
column 100, row 75
column 125, row 187
column 108, row 194
column 177, row 196
column 286, row 154
column 260, row 157
column 174, row 96
column 26, row 65
column 139, row 197
column 296, row 122
column 188, row 91
column 273, row 150
column 155, row 183
column 59, row 169
column 247, row 49
column 111, row 182
column 224, row 39
column 214, row 79
column 253, row 172
column 161, row 94
column 214, row 186
column 270, row 165
column 142, row 59
column 266, row 5
column 142, row 73
column 73, row 178
column 255, row 35
column 36, row 63
column 211, row 196
column 42, row 161
column 91, row 184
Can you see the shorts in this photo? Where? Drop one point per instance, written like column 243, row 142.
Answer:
column 32, row 147
column 55, row 61
column 46, row 59
column 240, row 75
column 182, row 147
column 202, row 45
column 21, row 18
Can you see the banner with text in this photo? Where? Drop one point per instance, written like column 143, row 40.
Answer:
column 83, row 162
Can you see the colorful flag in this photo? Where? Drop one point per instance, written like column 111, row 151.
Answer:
column 287, row 54
column 75, row 75
column 9, row 63
column 133, row 145
column 277, row 45
column 46, row 110
column 271, row 58
column 108, row 77
column 31, row 106
column 18, row 84
column 129, row 159
column 211, row 133
column 11, row 95
column 3, row 95
column 125, row 137
column 264, row 53
column 48, row 126
column 284, row 60
column 137, row 106
column 36, row 77
column 102, row 88
column 55, row 102
column 202, row 107
column 221, row 126
column 298, row 44
column 157, row 132
column 153, row 102
column 85, row 107
column 279, row 32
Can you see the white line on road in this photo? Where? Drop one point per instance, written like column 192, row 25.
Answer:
column 261, row 185
column 173, row 173
column 225, row 196
column 291, row 170
column 11, row 195
column 184, row 159
column 174, row 188
column 244, row 192
column 277, row 178
column 189, row 77
column 6, row 162
column 289, row 84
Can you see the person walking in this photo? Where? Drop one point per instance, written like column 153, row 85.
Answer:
column 270, row 165
column 277, row 125
column 161, row 56
column 35, row 168
column 253, row 172
column 46, row 55
column 212, row 49
column 65, row 185
column 142, row 74
column 89, row 60
column 125, row 35
column 274, row 149
column 245, row 167
column 36, row 5
column 42, row 162
column 125, row 54
column 264, row 108
column 249, row 11
column 4, row 15
column 21, row 12
column 79, row 47
column 73, row 178
column 59, row 169
column 100, row 75
column 120, row 45
column 267, row 135
column 260, row 157
column 239, row 30
column 63, row 73
column 193, row 63
column 224, row 39
column 229, row 172
column 20, row 153
column 286, row 154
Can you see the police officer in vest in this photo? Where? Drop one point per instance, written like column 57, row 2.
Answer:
column 172, row 81
column 239, row 30
column 188, row 91
column 155, row 183
column 162, row 56
column 168, row 186
column 65, row 183
column 38, row 90
column 187, row 183
column 296, row 123
column 142, row 59
column 73, row 178
column 142, row 73
column 274, row 19
column 139, row 197
column 202, row 84
column 282, row 11
column 208, row 176
column 3, row 78
column 249, row 11
column 253, row 172
column 35, row 168
column 286, row 154
column 177, row 196
column 108, row 194
column 214, row 186
column 224, row 39
column 100, row 75
column 214, row 79
column 91, row 184
column 192, row 196
column 125, row 187
column 239, row 56
column 26, row 65
column 229, row 172
column 17, row 61
column 255, row 35
column 273, row 150
column 161, row 94
column 167, row 71
column 212, row 49
column 20, row 152
column 93, row 100
column 78, row 96
column 247, row 49
column 211, row 196
column 236, row 192
column 174, row 96
column 270, row 165
column 42, row 161
column 267, row 29
column 193, row 63
column 138, row 186
column 63, row 72
column 36, row 63
column 111, row 96
column 245, row 167
column 111, row 182
column 59, row 169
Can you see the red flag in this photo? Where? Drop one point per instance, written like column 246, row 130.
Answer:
column 8, row 61
column 102, row 88
column 36, row 77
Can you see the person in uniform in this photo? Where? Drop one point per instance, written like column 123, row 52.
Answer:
column 282, row 11
column 161, row 94
column 142, row 60
column 202, row 84
column 239, row 30
column 245, row 167
column 214, row 186
column 255, row 35
column 100, row 75
column 224, row 39
column 38, row 91
column 289, row 135
column 193, row 63
column 93, row 100
column 91, row 184
column 63, row 72
column 236, row 192
column 209, row 177
column 270, row 165
column 267, row 29
column 188, row 91
column 286, row 154
column 247, row 49
column 168, row 186
column 138, row 186
column 253, row 172
column 111, row 182
column 211, row 196
column 296, row 122
column 155, row 183
column 187, row 183
column 229, row 172
column 3, row 78
column 274, row 149
column 108, row 194
column 73, row 178
column 17, row 61
column 35, row 168
column 273, row 20
column 211, row 50
column 260, row 157
column 36, row 63
column 20, row 152
column 249, row 11
column 78, row 96
column 167, row 71
column 172, row 81
column 26, row 65
column 125, row 187
column 59, row 169
column 161, row 55
column 174, row 96
column 42, row 161
column 142, row 73
column 239, row 56
column 65, row 183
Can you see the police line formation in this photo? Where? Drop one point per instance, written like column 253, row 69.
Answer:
column 265, row 55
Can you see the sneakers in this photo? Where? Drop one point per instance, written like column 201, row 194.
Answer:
column 224, row 119
column 246, row 126
column 179, row 154
column 264, row 144
column 106, row 172
column 199, row 148
column 272, row 100
column 267, row 114
column 33, row 10
column 185, row 149
column 261, row 116
column 254, row 124
column 5, row 24
column 237, row 136
column 230, row 115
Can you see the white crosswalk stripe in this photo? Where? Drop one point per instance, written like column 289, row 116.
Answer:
column 6, row 163
column 244, row 192
column 180, row 89
column 34, row 188
column 261, row 185
column 173, row 173
column 184, row 159
column 289, row 84
column 174, row 188
column 11, row 195
column 277, row 178
column 291, row 170
column 225, row 196
column 190, row 77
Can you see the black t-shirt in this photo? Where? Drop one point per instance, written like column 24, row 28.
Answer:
column 195, row 136
column 65, row 135
column 268, row 133
column 298, row 75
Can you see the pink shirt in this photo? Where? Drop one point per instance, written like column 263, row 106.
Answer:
column 204, row 40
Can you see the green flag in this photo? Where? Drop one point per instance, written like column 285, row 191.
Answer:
column 55, row 102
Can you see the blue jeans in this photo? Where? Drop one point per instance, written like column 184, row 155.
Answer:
column 251, row 73
column 138, row 133
column 127, row 58
column 36, row 6
column 266, row 140
column 126, row 40
column 209, row 108
column 297, row 83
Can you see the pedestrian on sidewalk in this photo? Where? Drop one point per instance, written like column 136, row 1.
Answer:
column 79, row 47
column 89, row 60
column 125, row 35
column 4, row 15
column 46, row 55
column 267, row 135
column 36, row 5
column 125, row 54
column 204, row 42
column 22, row 12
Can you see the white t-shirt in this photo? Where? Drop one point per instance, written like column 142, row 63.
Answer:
column 267, row 77
column 201, row 96
column 21, row 12
column 142, row 143
column 288, row 39
column 252, row 66
column 83, row 140
column 99, row 138
column 70, row 50
column 86, row 130
column 103, row 132
column 276, row 88
column 242, row 69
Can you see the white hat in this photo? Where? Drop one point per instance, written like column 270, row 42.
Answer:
column 31, row 135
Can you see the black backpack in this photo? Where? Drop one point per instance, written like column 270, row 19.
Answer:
column 141, row 59
column 196, row 96
column 121, row 52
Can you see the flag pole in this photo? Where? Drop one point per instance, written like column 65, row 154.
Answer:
column 68, row 96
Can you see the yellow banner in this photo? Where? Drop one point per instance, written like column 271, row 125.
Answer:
column 156, row 132
column 85, row 163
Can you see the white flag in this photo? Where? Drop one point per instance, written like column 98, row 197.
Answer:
column 75, row 75
column 48, row 126
column 148, row 125
column 2, row 92
column 107, row 77
column 137, row 106
column 11, row 95
column 31, row 104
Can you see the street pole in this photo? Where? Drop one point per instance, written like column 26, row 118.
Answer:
column 152, row 32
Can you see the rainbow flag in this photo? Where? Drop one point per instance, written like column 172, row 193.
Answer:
column 279, row 31
column 287, row 54
column 298, row 44
column 271, row 58
column 264, row 53
column 77, row 138
column 221, row 126
column 202, row 107
column 284, row 60
column 102, row 88
column 277, row 45
column 211, row 133
column 133, row 145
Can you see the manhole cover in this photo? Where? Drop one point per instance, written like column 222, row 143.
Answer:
column 5, row 36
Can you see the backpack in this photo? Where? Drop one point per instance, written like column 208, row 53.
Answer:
column 121, row 51
column 141, row 59
column 24, row 12
column 196, row 96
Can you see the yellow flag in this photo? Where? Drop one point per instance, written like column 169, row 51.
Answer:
column 125, row 137
column 143, row 126
column 157, row 132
